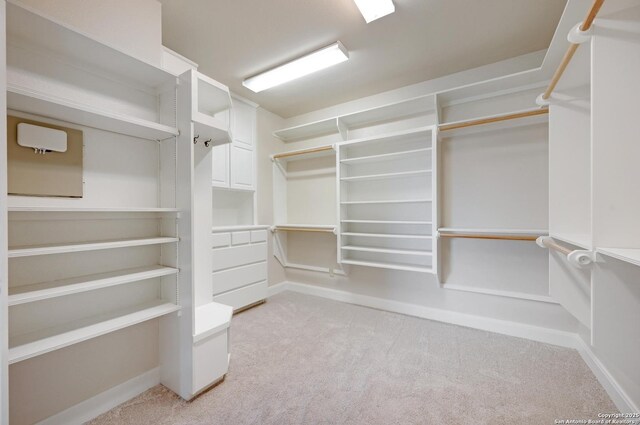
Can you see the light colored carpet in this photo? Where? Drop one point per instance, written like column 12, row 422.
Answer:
column 305, row 360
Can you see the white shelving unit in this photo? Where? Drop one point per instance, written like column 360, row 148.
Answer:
column 211, row 110
column 85, row 267
column 385, row 201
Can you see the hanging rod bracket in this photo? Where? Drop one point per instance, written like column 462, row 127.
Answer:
column 578, row 36
column 542, row 102
column 578, row 258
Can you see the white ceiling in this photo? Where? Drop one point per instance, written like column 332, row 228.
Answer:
column 424, row 39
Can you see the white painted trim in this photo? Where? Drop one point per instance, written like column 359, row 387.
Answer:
column 535, row 333
column 549, row 336
column 105, row 401
column 619, row 396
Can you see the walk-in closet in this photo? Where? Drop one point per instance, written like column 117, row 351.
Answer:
column 338, row 212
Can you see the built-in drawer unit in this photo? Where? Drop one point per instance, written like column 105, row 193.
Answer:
column 239, row 275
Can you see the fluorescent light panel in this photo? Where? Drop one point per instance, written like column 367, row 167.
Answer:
column 375, row 9
column 316, row 61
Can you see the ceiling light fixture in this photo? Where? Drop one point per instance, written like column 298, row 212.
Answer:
column 316, row 61
column 375, row 9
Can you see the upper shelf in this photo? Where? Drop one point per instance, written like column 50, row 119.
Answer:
column 343, row 123
column 629, row 255
column 24, row 100
column 36, row 32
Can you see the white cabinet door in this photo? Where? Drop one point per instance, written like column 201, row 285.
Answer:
column 220, row 175
column 244, row 122
column 242, row 168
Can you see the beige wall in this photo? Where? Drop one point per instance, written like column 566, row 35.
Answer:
column 133, row 26
column 266, row 124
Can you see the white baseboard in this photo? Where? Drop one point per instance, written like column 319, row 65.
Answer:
column 105, row 401
column 535, row 333
column 622, row 401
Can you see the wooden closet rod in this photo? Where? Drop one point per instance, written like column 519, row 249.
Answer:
column 454, row 126
column 302, row 152
column 588, row 21
column 489, row 236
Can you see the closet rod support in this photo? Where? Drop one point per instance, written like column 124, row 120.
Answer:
column 578, row 258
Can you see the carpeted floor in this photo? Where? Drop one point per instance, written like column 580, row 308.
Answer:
column 305, row 360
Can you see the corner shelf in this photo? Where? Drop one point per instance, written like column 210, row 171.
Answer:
column 26, row 346
column 23, row 100
column 31, row 251
column 47, row 290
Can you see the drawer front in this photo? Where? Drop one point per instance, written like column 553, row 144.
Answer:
column 243, row 297
column 226, row 258
column 240, row 238
column 230, row 279
column 258, row 236
column 210, row 361
column 220, row 239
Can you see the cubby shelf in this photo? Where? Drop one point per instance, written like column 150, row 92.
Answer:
column 396, row 201
column 23, row 347
column 387, row 250
column 386, row 235
column 23, row 100
column 46, row 290
column 86, row 246
column 388, row 265
column 402, row 174
column 629, row 255
column 385, row 157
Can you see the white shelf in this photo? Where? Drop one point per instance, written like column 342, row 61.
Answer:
column 86, row 246
column 513, row 232
column 386, row 235
column 399, row 201
column 391, row 137
column 388, row 222
column 44, row 34
column 387, row 250
column 92, row 210
column 307, row 131
column 24, row 100
column 388, row 265
column 581, row 240
column 210, row 319
column 209, row 128
column 42, row 291
column 386, row 175
column 33, row 344
column 629, row 255
column 385, row 157
column 389, row 112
